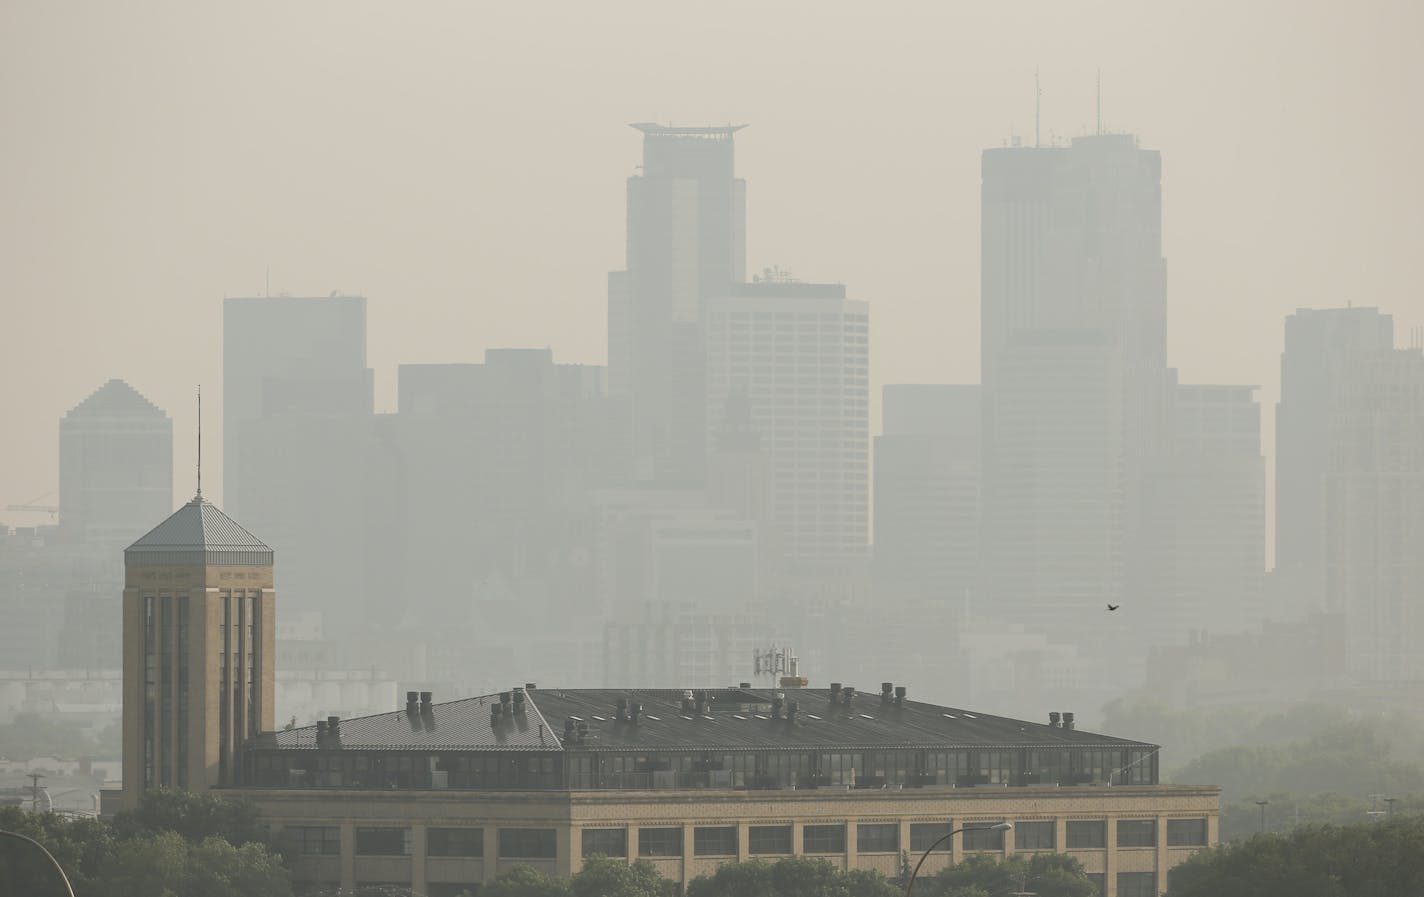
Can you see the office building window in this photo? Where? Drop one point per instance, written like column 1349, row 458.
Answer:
column 659, row 842
column 1137, row 884
column 455, row 842
column 383, row 842
column 1137, row 833
column 877, row 837
column 1186, row 832
column 321, row 840
column 983, row 838
column 609, row 842
column 1087, row 834
column 924, row 834
column 714, row 841
column 1033, row 836
column 527, row 843
column 823, row 838
column 1100, row 882
column 769, row 839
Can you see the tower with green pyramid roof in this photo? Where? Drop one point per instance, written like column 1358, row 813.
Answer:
column 199, row 636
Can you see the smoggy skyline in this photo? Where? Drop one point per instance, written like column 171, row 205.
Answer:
column 464, row 168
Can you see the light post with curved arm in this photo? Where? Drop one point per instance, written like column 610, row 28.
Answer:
column 57, row 867
column 997, row 827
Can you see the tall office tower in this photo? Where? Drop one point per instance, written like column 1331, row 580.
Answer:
column 501, row 461
column 115, row 466
column 1217, row 499
column 799, row 353
column 1374, row 515
column 1321, row 347
column 686, row 245
column 305, row 461
column 285, row 356
column 199, row 632
column 1074, row 376
column 927, row 489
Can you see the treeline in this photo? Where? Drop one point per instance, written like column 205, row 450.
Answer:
column 1379, row 859
column 1311, row 765
column 30, row 735
column 176, row 844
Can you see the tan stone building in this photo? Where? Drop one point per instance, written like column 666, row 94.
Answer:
column 442, row 798
column 199, row 636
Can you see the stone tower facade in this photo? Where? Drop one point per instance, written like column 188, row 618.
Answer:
column 199, row 637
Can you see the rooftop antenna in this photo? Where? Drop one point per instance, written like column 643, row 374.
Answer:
column 1037, row 102
column 200, row 441
column 1099, row 130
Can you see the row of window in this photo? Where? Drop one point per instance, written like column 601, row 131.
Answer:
column 722, row 840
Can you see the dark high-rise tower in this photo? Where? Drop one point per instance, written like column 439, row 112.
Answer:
column 1074, row 375
column 686, row 244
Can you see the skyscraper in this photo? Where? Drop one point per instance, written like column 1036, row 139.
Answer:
column 686, row 245
column 115, row 466
column 1322, row 348
column 285, row 356
column 305, row 460
column 1217, row 524
column 1074, row 375
column 927, row 489
column 1374, row 515
column 797, row 354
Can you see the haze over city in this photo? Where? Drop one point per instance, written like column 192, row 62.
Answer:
column 463, row 167
column 635, row 387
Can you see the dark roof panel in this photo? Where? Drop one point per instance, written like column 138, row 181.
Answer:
column 199, row 533
column 736, row 719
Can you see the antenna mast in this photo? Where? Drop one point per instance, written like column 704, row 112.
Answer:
column 200, row 440
column 1099, row 129
column 1037, row 102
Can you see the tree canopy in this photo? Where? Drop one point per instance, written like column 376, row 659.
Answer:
column 1377, row 859
column 979, row 875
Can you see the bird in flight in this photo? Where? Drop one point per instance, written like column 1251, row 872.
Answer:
column 1114, row 606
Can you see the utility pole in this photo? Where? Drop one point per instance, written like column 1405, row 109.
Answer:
column 35, row 792
column 1262, row 804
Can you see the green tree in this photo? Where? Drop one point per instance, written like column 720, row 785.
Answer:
column 193, row 816
column 526, row 881
column 1378, row 859
column 791, row 877
column 80, row 846
column 1047, row 875
column 609, row 877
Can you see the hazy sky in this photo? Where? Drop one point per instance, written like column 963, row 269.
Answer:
column 463, row 165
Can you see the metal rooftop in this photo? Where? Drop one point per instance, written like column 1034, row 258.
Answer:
column 652, row 129
column 199, row 533
column 735, row 719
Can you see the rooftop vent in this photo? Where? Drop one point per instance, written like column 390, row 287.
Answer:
column 1068, row 719
column 887, row 692
column 835, row 692
column 900, row 692
column 1054, row 719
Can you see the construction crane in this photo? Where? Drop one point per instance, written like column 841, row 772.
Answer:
column 32, row 506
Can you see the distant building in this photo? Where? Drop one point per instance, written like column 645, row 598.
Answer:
column 686, row 245
column 927, row 489
column 115, row 466
column 306, row 462
column 1217, row 527
column 797, row 355
column 1321, row 348
column 1074, row 377
column 1374, row 515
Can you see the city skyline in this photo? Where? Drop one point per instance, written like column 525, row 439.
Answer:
column 439, row 295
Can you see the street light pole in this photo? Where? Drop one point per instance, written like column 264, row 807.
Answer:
column 69, row 889
column 1262, row 804
column 997, row 827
